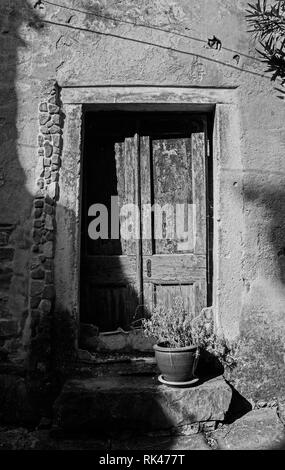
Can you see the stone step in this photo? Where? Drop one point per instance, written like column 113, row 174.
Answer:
column 106, row 406
column 123, row 364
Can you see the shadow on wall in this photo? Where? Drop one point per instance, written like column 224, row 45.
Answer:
column 15, row 218
column 272, row 201
column 26, row 395
column 15, row 199
column 261, row 368
column 31, row 345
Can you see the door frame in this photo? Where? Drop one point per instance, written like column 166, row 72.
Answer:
column 223, row 104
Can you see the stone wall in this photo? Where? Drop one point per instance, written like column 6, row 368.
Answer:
column 42, row 289
column 81, row 45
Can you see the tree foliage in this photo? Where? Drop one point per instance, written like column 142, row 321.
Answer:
column 267, row 22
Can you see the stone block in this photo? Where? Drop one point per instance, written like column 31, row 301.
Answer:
column 48, row 209
column 53, row 109
column 48, row 249
column 38, row 273
column 55, row 129
column 56, row 119
column 38, row 212
column 35, row 262
column 48, row 292
column 50, row 236
column 37, row 224
column 38, row 203
column 49, row 200
column 52, row 99
column 53, row 190
column 36, row 234
column 45, row 306
column 48, row 150
column 138, row 404
column 44, row 118
column 47, row 173
column 40, row 184
column 36, row 288
column 46, row 161
column 54, row 176
column 257, row 430
column 43, row 107
column 57, row 140
column 44, row 130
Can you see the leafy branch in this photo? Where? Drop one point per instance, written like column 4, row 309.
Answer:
column 268, row 27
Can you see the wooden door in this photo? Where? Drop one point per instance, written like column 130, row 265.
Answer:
column 174, row 263
column 110, row 295
column 147, row 162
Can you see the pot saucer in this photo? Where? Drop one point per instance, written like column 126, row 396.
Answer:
column 177, row 384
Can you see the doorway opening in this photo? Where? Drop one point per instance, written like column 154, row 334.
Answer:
column 144, row 173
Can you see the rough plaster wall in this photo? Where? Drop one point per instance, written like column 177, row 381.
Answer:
column 32, row 52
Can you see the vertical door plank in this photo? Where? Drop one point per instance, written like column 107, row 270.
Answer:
column 199, row 189
column 146, row 195
column 126, row 161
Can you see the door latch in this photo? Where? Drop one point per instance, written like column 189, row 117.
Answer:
column 148, row 268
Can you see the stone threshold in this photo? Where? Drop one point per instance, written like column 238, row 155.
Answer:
column 111, row 405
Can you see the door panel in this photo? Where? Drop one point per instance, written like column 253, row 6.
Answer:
column 111, row 291
column 176, row 176
column 172, row 184
column 164, row 294
column 174, row 268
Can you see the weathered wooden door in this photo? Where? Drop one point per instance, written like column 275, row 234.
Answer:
column 157, row 165
column 109, row 281
column 173, row 179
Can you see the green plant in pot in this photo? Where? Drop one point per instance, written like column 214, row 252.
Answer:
column 177, row 334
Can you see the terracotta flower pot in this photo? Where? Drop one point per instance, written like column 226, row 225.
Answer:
column 176, row 364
